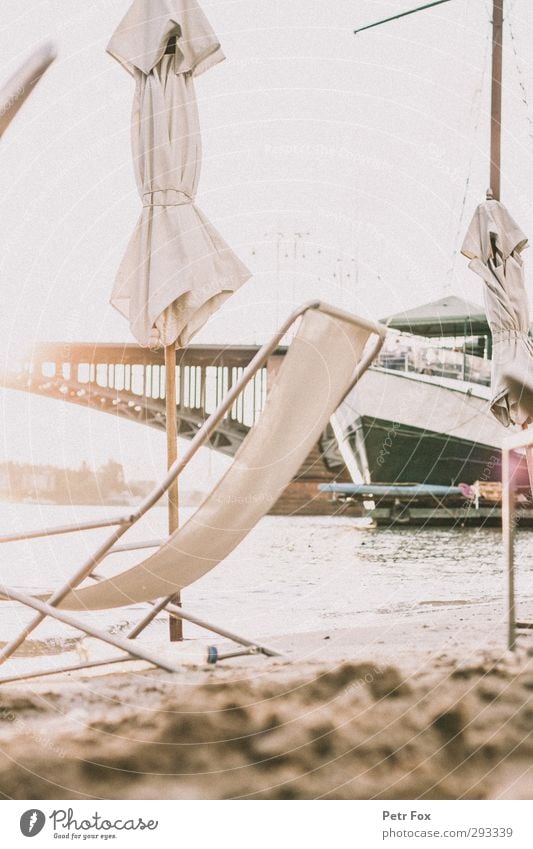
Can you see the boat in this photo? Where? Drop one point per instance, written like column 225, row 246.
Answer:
column 421, row 413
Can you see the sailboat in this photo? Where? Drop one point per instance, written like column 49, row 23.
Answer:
column 443, row 383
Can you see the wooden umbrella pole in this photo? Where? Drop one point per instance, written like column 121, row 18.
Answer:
column 175, row 625
column 529, row 460
column 496, row 140
column 496, row 99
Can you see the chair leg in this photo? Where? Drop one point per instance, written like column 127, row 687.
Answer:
column 146, row 620
column 222, row 632
column 179, row 613
column 82, row 573
column 155, row 608
column 129, row 646
column 250, row 647
column 73, row 667
column 133, row 653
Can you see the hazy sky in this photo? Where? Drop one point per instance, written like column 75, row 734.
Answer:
column 375, row 145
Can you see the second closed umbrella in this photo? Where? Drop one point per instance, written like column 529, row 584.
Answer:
column 494, row 245
column 177, row 270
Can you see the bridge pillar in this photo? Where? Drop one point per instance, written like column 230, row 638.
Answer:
column 302, row 496
column 273, row 366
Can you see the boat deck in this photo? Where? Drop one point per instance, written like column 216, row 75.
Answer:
column 422, row 505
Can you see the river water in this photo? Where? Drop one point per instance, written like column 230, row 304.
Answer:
column 289, row 575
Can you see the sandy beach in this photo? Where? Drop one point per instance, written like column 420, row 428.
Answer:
column 424, row 723
column 395, row 680
column 266, row 367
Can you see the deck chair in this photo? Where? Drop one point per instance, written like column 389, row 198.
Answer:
column 329, row 352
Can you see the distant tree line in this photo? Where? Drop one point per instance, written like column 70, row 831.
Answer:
column 26, row 482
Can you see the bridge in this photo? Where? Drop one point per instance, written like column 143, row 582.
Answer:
column 126, row 380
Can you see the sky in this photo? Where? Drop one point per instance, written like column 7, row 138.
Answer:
column 339, row 166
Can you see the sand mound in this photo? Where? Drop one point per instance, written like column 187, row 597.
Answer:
column 353, row 731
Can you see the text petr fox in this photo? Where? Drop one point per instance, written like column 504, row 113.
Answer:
column 406, row 815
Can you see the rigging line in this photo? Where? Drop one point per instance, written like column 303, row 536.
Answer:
column 475, row 415
column 478, row 94
column 409, row 434
column 401, row 15
column 520, row 75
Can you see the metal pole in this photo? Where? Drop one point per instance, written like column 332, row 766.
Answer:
column 175, row 625
column 529, row 460
column 131, row 647
column 496, row 99
column 402, row 15
column 508, row 544
column 496, row 96
column 15, row 91
column 223, row 632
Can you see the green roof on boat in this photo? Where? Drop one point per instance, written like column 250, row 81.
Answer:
column 450, row 316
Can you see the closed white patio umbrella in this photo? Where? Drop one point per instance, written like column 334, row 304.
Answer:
column 494, row 245
column 177, row 270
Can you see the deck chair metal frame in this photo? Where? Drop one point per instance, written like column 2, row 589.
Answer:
column 130, row 649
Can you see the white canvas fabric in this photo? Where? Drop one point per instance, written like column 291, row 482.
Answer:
column 140, row 39
column 315, row 376
column 494, row 245
column 177, row 270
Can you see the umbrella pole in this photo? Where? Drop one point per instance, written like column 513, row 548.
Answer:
column 529, row 460
column 496, row 99
column 175, row 625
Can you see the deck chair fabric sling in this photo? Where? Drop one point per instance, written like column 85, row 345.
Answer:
column 323, row 362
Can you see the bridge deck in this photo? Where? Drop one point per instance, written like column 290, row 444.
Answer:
column 126, row 380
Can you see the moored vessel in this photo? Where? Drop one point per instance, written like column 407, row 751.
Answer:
column 421, row 414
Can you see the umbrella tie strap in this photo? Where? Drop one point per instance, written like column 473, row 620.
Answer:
column 166, row 197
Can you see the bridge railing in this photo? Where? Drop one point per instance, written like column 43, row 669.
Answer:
column 204, row 374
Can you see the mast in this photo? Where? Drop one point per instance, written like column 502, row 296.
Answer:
column 496, row 100
column 496, row 93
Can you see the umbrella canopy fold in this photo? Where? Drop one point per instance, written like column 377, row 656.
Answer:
column 177, row 270
column 494, row 245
